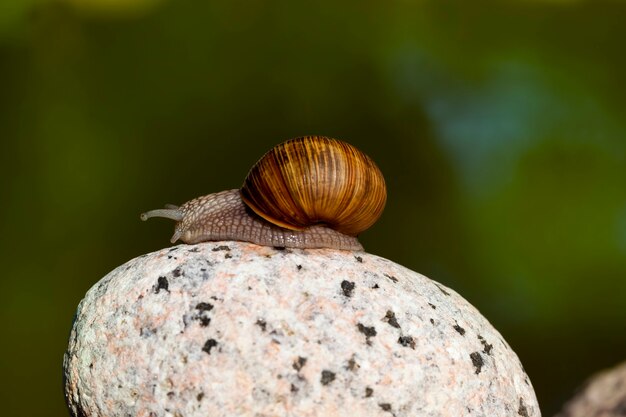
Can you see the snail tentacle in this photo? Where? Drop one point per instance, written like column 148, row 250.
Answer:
column 167, row 213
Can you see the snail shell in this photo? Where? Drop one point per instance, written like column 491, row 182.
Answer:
column 308, row 192
column 316, row 180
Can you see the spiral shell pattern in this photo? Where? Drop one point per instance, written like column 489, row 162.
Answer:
column 315, row 180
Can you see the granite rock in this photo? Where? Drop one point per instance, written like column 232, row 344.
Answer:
column 604, row 395
column 235, row 329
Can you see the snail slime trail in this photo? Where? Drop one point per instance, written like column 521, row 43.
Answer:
column 309, row 192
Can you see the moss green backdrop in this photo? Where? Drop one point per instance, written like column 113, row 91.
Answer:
column 500, row 128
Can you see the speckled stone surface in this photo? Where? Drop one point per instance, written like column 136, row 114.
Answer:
column 235, row 329
column 604, row 395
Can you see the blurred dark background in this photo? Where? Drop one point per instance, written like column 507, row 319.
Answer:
column 500, row 127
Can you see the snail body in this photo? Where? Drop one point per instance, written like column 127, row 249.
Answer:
column 310, row 192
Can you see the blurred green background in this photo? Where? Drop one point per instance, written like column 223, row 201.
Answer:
column 500, row 127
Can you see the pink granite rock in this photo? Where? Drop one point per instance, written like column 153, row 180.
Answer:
column 235, row 329
column 604, row 395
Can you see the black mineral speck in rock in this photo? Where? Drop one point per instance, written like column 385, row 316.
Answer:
column 391, row 277
column 358, row 259
column 352, row 364
column 202, row 315
column 262, row 324
column 390, row 317
column 177, row 272
column 459, row 329
column 368, row 331
column 204, row 306
column 327, row 377
column 347, row 287
column 147, row 332
column 368, row 392
column 523, row 411
column 221, row 247
column 204, row 320
column 407, row 341
column 487, row 347
column 385, row 406
column 161, row 284
column 210, row 344
column 442, row 290
column 299, row 363
column 477, row 361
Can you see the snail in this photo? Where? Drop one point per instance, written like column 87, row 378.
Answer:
column 309, row 192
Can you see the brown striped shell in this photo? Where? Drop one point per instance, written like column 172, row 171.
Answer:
column 316, row 180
